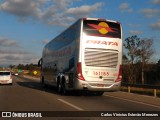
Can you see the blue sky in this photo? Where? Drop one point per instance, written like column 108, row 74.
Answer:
column 27, row 25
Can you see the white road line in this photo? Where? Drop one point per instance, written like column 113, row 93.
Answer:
column 74, row 106
column 133, row 101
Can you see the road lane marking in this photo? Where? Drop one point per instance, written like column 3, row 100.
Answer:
column 133, row 101
column 70, row 104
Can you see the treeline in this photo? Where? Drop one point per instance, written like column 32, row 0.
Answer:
column 133, row 73
column 29, row 67
column 136, row 66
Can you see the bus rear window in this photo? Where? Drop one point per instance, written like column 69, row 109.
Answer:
column 102, row 28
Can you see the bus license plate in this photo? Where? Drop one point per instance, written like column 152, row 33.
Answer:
column 100, row 85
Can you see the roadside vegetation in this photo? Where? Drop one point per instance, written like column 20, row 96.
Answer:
column 138, row 67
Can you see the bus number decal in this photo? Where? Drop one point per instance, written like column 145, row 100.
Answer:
column 101, row 73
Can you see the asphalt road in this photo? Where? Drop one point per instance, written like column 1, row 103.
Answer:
column 28, row 95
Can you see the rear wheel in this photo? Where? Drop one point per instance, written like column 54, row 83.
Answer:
column 98, row 93
column 59, row 87
column 42, row 82
column 63, row 88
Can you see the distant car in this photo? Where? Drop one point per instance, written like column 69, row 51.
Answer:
column 5, row 77
column 16, row 74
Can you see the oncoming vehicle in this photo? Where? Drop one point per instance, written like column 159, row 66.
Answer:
column 86, row 56
column 5, row 77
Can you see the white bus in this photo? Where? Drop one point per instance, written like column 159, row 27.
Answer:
column 86, row 56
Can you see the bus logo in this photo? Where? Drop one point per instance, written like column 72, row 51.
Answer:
column 99, row 42
column 102, row 27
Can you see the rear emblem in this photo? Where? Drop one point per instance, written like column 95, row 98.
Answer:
column 100, row 77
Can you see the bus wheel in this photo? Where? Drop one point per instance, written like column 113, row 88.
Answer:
column 42, row 82
column 63, row 89
column 99, row 93
column 59, row 87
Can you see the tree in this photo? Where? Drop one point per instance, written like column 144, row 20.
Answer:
column 125, row 59
column 132, row 46
column 138, row 51
column 20, row 66
column 11, row 66
column 145, row 52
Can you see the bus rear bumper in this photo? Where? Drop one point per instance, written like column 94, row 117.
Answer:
column 97, row 86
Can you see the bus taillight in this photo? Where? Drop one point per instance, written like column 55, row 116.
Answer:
column 79, row 71
column 119, row 74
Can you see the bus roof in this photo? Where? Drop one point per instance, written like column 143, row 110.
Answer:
column 101, row 19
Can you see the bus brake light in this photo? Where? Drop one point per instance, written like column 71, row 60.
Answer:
column 119, row 74
column 79, row 71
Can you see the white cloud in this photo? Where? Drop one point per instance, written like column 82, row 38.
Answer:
column 12, row 53
column 135, row 32
column 68, row 15
column 4, row 42
column 21, row 8
column 55, row 12
column 62, row 4
column 134, row 25
column 124, row 7
column 84, row 10
column 150, row 13
column 156, row 2
column 15, row 57
column 155, row 26
column 45, row 41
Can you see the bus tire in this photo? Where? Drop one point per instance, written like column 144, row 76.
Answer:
column 99, row 93
column 59, row 87
column 63, row 88
column 42, row 82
